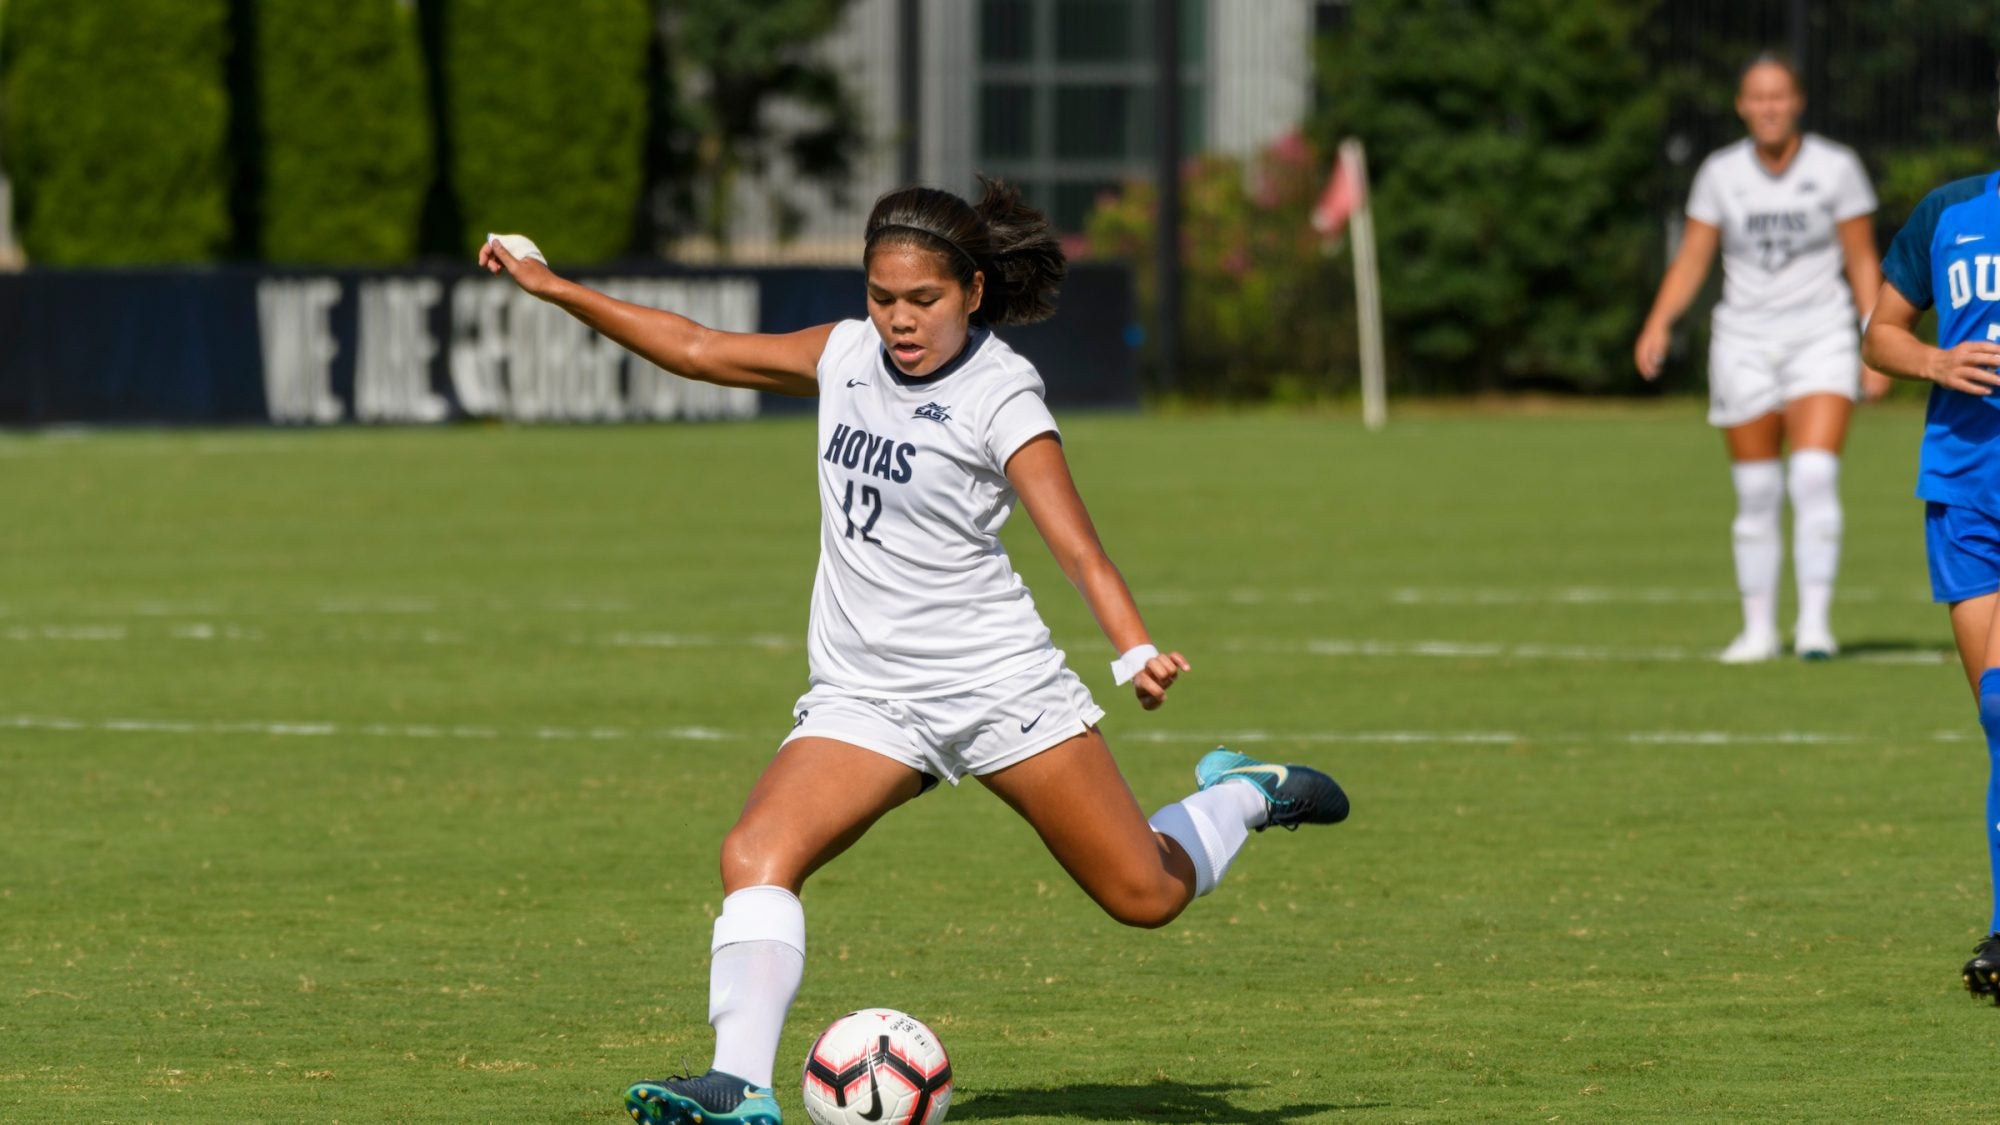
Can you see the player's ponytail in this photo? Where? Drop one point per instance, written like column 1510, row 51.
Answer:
column 1000, row 236
column 1028, row 265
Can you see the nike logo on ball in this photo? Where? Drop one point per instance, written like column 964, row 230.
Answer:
column 874, row 1112
column 1030, row 724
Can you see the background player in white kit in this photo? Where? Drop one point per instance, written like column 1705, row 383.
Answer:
column 1792, row 213
column 928, row 660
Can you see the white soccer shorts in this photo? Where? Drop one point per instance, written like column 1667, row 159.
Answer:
column 1749, row 377
column 977, row 732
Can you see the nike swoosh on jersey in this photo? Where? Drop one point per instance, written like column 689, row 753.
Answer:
column 857, row 382
column 1965, row 238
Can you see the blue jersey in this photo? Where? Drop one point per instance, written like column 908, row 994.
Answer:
column 1948, row 255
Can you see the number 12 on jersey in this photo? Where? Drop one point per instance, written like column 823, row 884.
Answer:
column 871, row 503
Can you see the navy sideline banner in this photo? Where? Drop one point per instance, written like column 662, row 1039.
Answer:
column 240, row 344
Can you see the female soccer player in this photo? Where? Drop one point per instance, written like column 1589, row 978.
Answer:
column 1948, row 255
column 928, row 660
column 1790, row 210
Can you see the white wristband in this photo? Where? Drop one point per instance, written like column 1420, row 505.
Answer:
column 1132, row 663
column 519, row 245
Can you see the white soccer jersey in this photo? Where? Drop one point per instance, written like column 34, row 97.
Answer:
column 1782, row 263
column 915, row 596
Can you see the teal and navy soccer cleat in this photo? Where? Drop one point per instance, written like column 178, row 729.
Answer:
column 1296, row 794
column 1982, row 973
column 715, row 1097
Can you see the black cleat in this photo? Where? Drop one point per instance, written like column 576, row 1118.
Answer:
column 1296, row 794
column 714, row 1098
column 1982, row 973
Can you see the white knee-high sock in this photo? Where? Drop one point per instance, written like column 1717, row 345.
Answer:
column 1211, row 826
column 1816, row 525
column 757, row 960
column 1760, row 494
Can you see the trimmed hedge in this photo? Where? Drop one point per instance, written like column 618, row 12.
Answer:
column 547, row 105
column 116, row 121
column 345, row 130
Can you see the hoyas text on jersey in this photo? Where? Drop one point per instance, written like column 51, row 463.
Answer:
column 1774, row 222
column 856, row 448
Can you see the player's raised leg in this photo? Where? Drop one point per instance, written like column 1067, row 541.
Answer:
column 1142, row 873
column 793, row 823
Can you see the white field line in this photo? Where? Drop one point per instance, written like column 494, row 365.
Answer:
column 1447, row 596
column 331, row 607
column 687, row 640
column 1504, row 650
column 314, row 729
column 1604, row 595
column 409, row 605
column 1509, row 738
column 481, row 733
column 418, row 605
column 1333, row 647
column 62, row 439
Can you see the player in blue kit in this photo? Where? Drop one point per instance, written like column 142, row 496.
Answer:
column 928, row 659
column 1948, row 257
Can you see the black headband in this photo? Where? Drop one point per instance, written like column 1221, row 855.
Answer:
column 962, row 251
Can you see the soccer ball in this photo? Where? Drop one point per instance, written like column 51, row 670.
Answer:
column 877, row 1066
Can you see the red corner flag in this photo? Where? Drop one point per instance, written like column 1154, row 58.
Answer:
column 1342, row 196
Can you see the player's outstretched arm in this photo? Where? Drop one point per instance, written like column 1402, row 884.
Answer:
column 1892, row 347
column 1684, row 277
column 786, row 364
column 1040, row 475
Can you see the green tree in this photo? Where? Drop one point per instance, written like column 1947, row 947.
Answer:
column 345, row 135
column 116, row 120
column 1507, row 141
column 546, row 104
column 729, row 65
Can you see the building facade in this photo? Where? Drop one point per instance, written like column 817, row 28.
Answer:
column 1055, row 95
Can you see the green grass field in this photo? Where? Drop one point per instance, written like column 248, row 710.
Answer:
column 370, row 776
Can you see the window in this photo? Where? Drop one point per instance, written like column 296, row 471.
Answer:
column 1006, row 30
column 1066, row 96
column 1007, row 120
column 1100, row 31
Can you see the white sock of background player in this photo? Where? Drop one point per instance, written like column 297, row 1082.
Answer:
column 756, row 963
column 1211, row 826
column 1760, row 548
column 1816, row 525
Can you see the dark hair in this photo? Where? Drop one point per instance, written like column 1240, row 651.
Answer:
column 1000, row 236
column 1773, row 58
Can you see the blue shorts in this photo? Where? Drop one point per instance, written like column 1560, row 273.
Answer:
column 1964, row 548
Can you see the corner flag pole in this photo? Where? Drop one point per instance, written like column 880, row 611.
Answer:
column 1367, row 295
